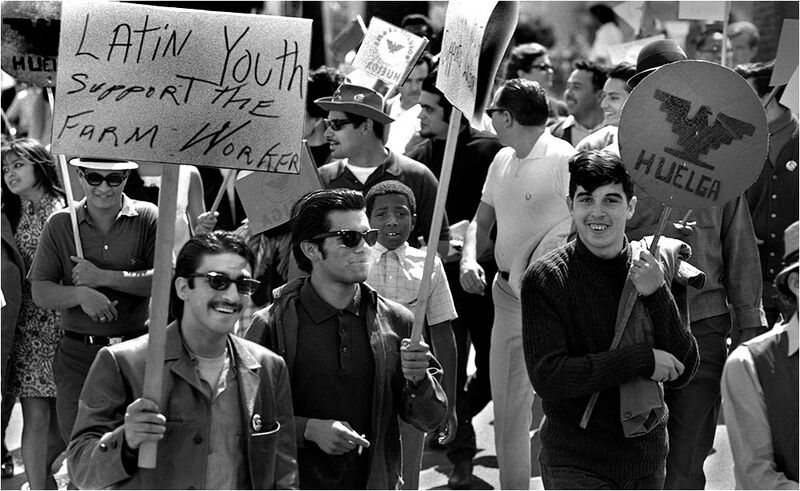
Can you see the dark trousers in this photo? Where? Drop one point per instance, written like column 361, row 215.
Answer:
column 566, row 477
column 70, row 368
column 694, row 409
column 475, row 318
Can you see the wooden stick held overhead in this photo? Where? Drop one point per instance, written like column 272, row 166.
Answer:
column 436, row 224
column 225, row 183
column 159, row 300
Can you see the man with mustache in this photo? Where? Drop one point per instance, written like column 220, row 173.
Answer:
column 583, row 95
column 404, row 108
column 226, row 418
column 353, row 369
column 356, row 127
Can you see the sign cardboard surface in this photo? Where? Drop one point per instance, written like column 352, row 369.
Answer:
column 630, row 51
column 181, row 86
column 790, row 94
column 388, row 51
column 701, row 10
column 30, row 40
column 476, row 35
column 787, row 56
column 268, row 198
column 687, row 143
column 631, row 13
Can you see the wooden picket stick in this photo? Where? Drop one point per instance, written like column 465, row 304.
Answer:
column 62, row 162
column 629, row 303
column 222, row 190
column 159, row 300
column 724, row 54
column 436, row 224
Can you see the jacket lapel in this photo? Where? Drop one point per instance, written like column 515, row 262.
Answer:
column 177, row 358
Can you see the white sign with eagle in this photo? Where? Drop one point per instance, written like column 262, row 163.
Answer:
column 388, row 52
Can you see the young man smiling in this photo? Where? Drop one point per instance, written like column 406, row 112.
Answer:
column 226, row 419
column 569, row 308
column 352, row 369
column 104, row 295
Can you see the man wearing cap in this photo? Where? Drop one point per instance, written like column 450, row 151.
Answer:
column 103, row 296
column 524, row 194
column 724, row 247
column 356, row 127
column 760, row 391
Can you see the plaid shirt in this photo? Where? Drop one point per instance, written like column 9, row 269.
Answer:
column 397, row 275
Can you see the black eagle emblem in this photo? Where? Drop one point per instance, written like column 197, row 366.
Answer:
column 393, row 47
column 695, row 136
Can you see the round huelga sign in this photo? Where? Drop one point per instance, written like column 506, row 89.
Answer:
column 693, row 134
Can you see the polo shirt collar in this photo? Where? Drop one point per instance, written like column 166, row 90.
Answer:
column 571, row 121
column 793, row 333
column 389, row 165
column 318, row 309
column 539, row 149
column 128, row 209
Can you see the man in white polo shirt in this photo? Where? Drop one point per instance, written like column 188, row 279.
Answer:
column 525, row 195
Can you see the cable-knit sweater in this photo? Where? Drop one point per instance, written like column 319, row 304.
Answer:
column 569, row 307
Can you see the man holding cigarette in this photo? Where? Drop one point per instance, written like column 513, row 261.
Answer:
column 353, row 369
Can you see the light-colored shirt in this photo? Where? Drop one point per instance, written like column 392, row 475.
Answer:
column 528, row 194
column 397, row 275
column 404, row 127
column 579, row 131
column 746, row 418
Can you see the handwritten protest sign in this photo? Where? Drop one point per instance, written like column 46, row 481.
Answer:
column 388, row 52
column 473, row 34
column 30, row 41
column 181, row 86
column 687, row 143
column 268, row 198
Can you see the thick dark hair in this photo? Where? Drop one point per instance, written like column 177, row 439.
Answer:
column 598, row 72
column 761, row 73
column 623, row 71
column 44, row 169
column 526, row 100
column 429, row 85
column 378, row 128
column 391, row 187
column 417, row 20
column 595, row 168
column 603, row 13
column 522, row 57
column 322, row 82
column 192, row 254
column 311, row 216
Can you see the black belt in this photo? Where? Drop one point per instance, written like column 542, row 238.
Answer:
column 504, row 275
column 98, row 340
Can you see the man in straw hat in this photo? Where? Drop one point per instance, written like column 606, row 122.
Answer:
column 760, row 391
column 724, row 247
column 103, row 296
column 356, row 129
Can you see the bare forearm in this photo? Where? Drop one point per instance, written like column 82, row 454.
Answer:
column 51, row 295
column 133, row 282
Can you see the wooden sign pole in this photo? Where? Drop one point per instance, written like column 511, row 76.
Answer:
column 159, row 300
column 222, row 190
column 436, row 224
column 62, row 163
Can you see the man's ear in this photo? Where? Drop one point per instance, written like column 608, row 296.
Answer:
column 413, row 220
column 632, row 207
column 569, row 204
column 311, row 250
column 182, row 287
column 792, row 281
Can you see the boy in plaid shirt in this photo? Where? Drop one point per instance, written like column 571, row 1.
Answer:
column 396, row 274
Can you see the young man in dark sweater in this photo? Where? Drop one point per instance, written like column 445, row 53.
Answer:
column 570, row 299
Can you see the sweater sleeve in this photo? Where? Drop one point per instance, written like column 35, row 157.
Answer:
column 554, row 373
column 671, row 333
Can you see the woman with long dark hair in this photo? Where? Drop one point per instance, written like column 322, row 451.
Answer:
column 31, row 192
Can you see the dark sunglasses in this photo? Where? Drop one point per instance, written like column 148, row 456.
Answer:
column 351, row 238
column 337, row 124
column 221, row 282
column 113, row 180
column 546, row 67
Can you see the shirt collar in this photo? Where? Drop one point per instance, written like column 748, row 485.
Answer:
column 380, row 250
column 539, row 149
column 318, row 309
column 128, row 209
column 571, row 121
column 389, row 165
